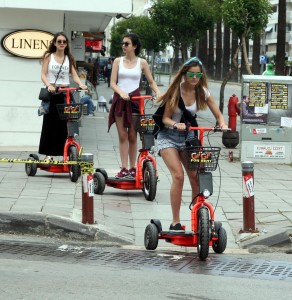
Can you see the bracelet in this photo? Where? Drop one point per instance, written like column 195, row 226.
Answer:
column 174, row 124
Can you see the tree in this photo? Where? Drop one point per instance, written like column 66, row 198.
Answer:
column 281, row 39
column 150, row 34
column 182, row 21
column 246, row 18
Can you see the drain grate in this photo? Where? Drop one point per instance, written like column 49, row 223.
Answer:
column 172, row 261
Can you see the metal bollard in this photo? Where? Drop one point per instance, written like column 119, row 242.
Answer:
column 87, row 188
column 248, row 197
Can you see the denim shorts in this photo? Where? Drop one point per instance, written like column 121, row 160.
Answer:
column 169, row 138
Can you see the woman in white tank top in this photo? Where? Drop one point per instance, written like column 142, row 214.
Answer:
column 125, row 80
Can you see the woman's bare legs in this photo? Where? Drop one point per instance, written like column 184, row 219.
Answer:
column 172, row 160
column 127, row 143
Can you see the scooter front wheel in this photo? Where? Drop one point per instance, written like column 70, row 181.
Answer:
column 149, row 181
column 203, row 233
column 74, row 169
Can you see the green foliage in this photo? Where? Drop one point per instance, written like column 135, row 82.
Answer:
column 247, row 17
column 184, row 20
column 150, row 34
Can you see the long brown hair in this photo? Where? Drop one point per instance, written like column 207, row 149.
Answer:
column 52, row 49
column 172, row 94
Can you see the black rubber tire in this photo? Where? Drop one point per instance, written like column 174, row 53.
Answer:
column 204, row 234
column 149, row 181
column 151, row 237
column 219, row 246
column 74, row 169
column 30, row 169
column 99, row 183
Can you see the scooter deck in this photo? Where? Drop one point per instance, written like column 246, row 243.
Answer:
column 174, row 233
column 124, row 179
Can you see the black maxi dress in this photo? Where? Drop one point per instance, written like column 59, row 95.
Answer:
column 54, row 130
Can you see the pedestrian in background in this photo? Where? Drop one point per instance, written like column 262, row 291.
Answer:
column 57, row 58
column 108, row 71
column 187, row 94
column 125, row 79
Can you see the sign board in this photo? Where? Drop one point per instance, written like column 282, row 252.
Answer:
column 93, row 45
column 28, row 43
column 263, row 59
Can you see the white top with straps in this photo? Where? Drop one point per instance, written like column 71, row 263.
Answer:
column 53, row 69
column 129, row 79
column 176, row 117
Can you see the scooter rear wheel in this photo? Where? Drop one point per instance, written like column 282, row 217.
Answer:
column 219, row 245
column 151, row 237
column 204, row 234
column 149, row 181
column 99, row 183
column 30, row 169
column 74, row 169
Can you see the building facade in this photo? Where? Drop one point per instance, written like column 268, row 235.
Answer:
column 20, row 80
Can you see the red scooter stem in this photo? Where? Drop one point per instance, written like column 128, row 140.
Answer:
column 141, row 100
column 67, row 90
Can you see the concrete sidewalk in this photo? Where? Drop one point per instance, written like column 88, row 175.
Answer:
column 51, row 202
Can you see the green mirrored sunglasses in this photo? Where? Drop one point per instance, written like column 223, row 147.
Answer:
column 194, row 75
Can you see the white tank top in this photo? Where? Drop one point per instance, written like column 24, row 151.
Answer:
column 129, row 79
column 53, row 69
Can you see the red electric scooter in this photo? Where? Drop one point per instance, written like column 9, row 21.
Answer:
column 146, row 174
column 205, row 232
column 70, row 112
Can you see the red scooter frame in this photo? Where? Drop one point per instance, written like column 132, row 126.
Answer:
column 205, row 232
column 146, row 175
column 70, row 112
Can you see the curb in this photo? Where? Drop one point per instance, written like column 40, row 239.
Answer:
column 53, row 226
column 279, row 237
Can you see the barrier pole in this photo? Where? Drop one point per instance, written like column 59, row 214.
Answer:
column 248, row 196
column 87, row 188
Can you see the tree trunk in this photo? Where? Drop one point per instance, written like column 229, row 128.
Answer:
column 203, row 45
column 175, row 63
column 234, row 46
column 245, row 54
column 218, row 70
column 256, row 67
column 281, row 39
column 210, row 64
column 234, row 67
column 226, row 51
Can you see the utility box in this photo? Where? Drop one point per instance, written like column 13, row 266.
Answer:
column 266, row 119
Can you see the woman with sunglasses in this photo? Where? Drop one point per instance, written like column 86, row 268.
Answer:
column 57, row 64
column 187, row 94
column 125, row 80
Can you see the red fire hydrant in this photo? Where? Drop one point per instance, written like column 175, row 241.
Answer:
column 233, row 111
column 230, row 139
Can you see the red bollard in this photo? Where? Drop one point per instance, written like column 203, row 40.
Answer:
column 87, row 189
column 248, row 197
column 233, row 111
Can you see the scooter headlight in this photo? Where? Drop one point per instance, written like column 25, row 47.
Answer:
column 206, row 193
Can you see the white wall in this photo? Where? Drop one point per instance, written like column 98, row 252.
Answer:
column 20, row 80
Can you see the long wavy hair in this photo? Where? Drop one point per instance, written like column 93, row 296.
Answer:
column 52, row 49
column 172, row 94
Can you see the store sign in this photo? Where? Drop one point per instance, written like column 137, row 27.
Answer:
column 27, row 43
column 93, row 45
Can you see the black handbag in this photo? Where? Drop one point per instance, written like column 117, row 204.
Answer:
column 45, row 95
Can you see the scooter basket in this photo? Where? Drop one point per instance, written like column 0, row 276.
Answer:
column 202, row 158
column 69, row 111
column 143, row 123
